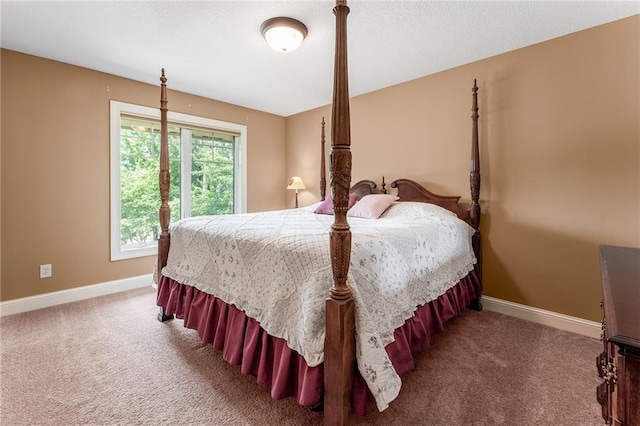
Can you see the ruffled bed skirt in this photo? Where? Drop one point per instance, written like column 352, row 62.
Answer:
column 243, row 342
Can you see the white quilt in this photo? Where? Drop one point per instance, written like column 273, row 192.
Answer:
column 275, row 266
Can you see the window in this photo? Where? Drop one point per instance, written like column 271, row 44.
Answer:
column 207, row 166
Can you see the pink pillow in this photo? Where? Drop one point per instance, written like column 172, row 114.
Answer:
column 327, row 205
column 372, row 206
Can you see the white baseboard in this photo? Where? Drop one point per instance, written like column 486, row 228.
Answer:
column 46, row 300
column 540, row 316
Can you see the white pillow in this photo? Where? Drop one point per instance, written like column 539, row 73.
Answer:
column 372, row 206
column 416, row 209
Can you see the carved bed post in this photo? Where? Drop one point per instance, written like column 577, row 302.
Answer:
column 474, row 179
column 164, row 181
column 323, row 166
column 339, row 359
column 475, row 162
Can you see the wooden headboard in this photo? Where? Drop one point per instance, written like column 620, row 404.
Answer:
column 409, row 190
column 363, row 187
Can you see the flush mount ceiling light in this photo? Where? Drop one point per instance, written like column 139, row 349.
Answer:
column 283, row 34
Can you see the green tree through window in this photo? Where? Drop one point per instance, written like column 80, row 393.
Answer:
column 212, row 173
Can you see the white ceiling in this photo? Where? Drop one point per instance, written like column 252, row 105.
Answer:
column 214, row 48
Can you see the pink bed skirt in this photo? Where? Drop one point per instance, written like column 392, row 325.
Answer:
column 243, row 342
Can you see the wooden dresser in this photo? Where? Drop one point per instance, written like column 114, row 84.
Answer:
column 619, row 364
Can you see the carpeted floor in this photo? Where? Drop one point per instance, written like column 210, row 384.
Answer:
column 108, row 361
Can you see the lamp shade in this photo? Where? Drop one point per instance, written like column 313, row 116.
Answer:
column 296, row 183
column 283, row 34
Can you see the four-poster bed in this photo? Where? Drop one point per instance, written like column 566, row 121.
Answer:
column 290, row 335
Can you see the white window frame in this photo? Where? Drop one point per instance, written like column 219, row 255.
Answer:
column 117, row 109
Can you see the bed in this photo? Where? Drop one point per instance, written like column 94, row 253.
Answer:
column 326, row 305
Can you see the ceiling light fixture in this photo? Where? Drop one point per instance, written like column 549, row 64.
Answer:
column 283, row 34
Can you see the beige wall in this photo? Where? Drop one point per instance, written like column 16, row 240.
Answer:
column 560, row 157
column 55, row 169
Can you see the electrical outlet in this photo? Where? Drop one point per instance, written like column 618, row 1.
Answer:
column 45, row 271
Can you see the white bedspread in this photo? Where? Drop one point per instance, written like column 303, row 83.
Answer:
column 275, row 266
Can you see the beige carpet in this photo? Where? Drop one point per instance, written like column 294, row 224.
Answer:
column 108, row 361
